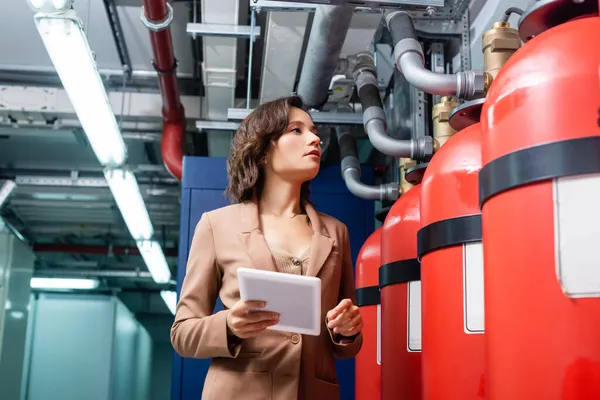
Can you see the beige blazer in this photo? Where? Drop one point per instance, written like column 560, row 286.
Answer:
column 274, row 365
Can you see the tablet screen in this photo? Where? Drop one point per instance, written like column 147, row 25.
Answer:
column 296, row 298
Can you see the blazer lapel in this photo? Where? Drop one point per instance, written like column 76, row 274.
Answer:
column 252, row 238
column 321, row 243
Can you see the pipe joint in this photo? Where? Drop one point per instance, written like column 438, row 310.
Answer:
column 351, row 172
column 470, row 85
column 389, row 16
column 408, row 45
column 350, row 162
column 157, row 26
column 422, row 148
column 364, row 78
column 390, row 192
column 374, row 113
column 386, row 192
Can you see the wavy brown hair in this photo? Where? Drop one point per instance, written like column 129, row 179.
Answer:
column 249, row 146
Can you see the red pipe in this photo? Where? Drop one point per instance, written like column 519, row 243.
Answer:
column 93, row 249
column 166, row 67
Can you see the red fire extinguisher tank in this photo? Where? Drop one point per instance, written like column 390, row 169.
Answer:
column 540, row 195
column 400, row 288
column 451, row 257
column 367, row 366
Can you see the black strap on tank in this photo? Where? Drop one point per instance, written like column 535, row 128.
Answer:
column 367, row 296
column 539, row 163
column 448, row 232
column 399, row 272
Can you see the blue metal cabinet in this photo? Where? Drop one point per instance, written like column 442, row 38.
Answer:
column 204, row 180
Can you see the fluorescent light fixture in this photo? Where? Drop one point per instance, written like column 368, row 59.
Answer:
column 64, row 283
column 50, row 6
column 74, row 62
column 127, row 195
column 6, row 190
column 217, row 125
column 170, row 298
column 155, row 260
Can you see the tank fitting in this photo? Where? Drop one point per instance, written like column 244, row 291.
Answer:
column 442, row 131
column 498, row 44
column 405, row 164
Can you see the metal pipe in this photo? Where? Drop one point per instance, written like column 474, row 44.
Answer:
column 351, row 172
column 410, row 61
column 374, row 117
column 93, row 249
column 250, row 58
column 157, row 16
column 329, row 28
column 92, row 273
column 511, row 10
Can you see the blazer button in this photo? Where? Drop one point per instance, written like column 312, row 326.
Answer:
column 295, row 338
column 295, row 261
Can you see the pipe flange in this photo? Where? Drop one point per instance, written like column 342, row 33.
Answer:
column 414, row 175
column 466, row 114
column 382, row 214
column 157, row 26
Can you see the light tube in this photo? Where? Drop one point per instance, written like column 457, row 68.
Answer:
column 155, row 260
column 170, row 298
column 127, row 195
column 74, row 62
column 6, row 190
column 64, row 283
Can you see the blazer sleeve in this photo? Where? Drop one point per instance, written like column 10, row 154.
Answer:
column 346, row 347
column 196, row 331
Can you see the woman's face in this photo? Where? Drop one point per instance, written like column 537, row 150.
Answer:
column 296, row 155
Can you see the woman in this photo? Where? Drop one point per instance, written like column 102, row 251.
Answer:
column 275, row 154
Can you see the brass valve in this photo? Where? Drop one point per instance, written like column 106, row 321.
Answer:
column 498, row 44
column 405, row 164
column 442, row 131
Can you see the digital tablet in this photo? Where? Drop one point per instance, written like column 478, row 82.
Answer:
column 296, row 298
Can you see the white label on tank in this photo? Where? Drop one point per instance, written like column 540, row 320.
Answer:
column 473, row 287
column 378, row 334
column 414, row 316
column 577, row 234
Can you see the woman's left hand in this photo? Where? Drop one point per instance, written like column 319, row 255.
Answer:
column 345, row 319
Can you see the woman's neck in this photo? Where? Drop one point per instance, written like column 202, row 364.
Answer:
column 280, row 197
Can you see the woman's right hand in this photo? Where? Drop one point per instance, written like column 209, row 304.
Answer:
column 244, row 323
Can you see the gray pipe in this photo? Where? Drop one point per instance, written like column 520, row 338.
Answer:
column 374, row 117
column 329, row 28
column 410, row 61
column 351, row 172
